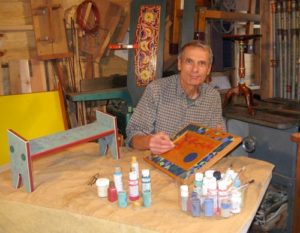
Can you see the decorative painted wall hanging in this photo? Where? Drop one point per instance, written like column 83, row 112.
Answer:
column 196, row 149
column 147, row 37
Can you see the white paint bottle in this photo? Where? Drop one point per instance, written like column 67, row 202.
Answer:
column 135, row 166
column 118, row 179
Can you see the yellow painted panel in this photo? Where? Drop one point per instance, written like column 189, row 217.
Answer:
column 30, row 115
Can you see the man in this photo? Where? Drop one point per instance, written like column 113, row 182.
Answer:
column 169, row 104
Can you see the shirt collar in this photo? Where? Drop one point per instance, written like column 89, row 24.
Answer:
column 181, row 93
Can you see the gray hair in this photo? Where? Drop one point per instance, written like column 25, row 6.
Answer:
column 198, row 44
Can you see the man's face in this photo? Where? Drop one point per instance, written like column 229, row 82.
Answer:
column 194, row 66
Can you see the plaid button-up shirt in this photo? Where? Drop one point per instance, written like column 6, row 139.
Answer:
column 164, row 106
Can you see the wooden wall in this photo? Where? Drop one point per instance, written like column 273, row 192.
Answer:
column 20, row 70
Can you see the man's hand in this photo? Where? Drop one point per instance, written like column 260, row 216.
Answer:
column 160, row 143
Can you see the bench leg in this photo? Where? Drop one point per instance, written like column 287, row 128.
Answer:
column 109, row 123
column 20, row 161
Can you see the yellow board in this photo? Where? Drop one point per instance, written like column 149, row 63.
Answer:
column 31, row 115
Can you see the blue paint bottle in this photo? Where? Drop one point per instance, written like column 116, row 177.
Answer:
column 208, row 207
column 195, row 205
column 122, row 199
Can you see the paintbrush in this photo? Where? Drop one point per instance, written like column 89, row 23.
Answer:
column 243, row 168
column 246, row 184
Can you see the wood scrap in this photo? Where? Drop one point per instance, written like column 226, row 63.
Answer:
column 97, row 42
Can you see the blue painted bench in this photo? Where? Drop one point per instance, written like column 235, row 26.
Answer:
column 23, row 151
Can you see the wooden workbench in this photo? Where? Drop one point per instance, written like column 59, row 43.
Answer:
column 64, row 202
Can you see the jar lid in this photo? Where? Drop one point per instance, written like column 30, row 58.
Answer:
column 118, row 170
column 199, row 176
column 102, row 182
column 184, row 189
column 145, row 172
column 209, row 173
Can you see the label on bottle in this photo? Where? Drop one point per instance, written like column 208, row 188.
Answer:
column 146, row 184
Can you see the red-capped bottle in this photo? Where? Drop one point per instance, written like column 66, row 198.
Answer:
column 112, row 194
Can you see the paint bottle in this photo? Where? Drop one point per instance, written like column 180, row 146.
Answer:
column 208, row 205
column 225, row 208
column 236, row 198
column 223, row 193
column 189, row 205
column 135, row 166
column 204, row 191
column 146, row 180
column 118, row 179
column 146, row 198
column 112, row 194
column 146, row 187
column 122, row 199
column 195, row 205
column 184, row 195
column 212, row 193
column 133, row 183
column 198, row 183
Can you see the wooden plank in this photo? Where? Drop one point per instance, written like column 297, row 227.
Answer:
column 5, row 78
column 234, row 16
column 123, row 26
column 51, row 81
column 1, row 81
column 25, row 76
column 266, row 69
column 18, row 45
column 14, row 77
column 15, row 13
column 174, row 38
column 38, row 76
column 8, row 28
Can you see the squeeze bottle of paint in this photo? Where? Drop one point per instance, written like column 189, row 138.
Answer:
column 135, row 166
column 133, row 186
column 223, row 193
column 146, row 180
column 195, row 205
column 212, row 193
column 118, row 179
column 184, row 195
column 198, row 183
column 112, row 195
column 236, row 198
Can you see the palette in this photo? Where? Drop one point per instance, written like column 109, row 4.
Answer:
column 197, row 148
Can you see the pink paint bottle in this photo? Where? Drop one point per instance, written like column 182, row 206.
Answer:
column 133, row 183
